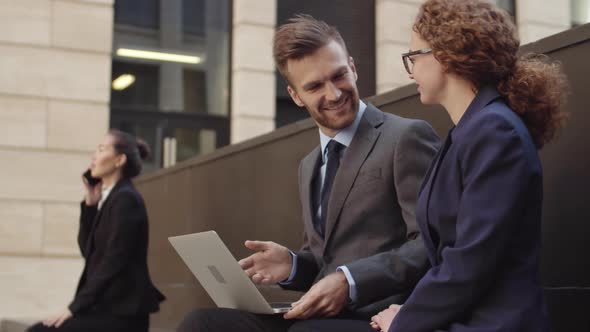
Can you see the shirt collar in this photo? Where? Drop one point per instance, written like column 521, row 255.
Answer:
column 345, row 135
column 105, row 194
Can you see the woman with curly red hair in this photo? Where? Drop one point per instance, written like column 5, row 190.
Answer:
column 479, row 208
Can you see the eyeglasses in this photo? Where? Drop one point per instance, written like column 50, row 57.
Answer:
column 409, row 62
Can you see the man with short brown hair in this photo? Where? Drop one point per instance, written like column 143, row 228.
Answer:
column 362, row 249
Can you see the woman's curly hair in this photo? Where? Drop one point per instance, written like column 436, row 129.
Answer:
column 478, row 42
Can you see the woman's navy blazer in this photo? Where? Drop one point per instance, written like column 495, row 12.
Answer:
column 479, row 211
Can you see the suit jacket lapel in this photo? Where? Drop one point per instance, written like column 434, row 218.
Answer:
column 309, row 171
column 361, row 146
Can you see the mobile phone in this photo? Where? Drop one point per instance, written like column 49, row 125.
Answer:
column 91, row 180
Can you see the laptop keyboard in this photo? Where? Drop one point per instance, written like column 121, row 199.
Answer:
column 279, row 305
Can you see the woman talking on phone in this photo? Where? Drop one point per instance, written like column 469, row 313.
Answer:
column 115, row 292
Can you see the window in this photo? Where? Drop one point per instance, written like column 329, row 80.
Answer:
column 138, row 13
column 193, row 17
column 170, row 75
column 194, row 91
column 139, row 91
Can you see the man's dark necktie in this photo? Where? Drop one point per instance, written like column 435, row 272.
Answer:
column 334, row 149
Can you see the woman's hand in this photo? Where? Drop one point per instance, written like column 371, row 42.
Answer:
column 93, row 193
column 382, row 320
column 58, row 319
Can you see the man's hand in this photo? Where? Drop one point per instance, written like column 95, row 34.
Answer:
column 325, row 299
column 58, row 319
column 382, row 320
column 271, row 263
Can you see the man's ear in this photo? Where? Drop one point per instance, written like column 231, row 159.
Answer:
column 353, row 68
column 295, row 96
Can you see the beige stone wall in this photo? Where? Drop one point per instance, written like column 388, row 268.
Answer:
column 253, row 73
column 393, row 24
column 54, row 92
column 55, row 60
column 538, row 19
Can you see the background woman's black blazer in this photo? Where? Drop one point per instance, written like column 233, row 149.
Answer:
column 114, row 242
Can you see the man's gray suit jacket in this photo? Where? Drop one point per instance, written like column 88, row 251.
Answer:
column 370, row 225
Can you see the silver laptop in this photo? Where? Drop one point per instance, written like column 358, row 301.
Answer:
column 221, row 275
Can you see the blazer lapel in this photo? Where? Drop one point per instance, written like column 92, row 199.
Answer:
column 429, row 184
column 361, row 146
column 432, row 165
column 98, row 216
column 309, row 171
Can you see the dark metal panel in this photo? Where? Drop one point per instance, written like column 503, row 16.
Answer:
column 568, row 308
column 410, row 107
column 566, row 166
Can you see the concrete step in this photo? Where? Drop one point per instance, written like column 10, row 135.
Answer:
column 8, row 325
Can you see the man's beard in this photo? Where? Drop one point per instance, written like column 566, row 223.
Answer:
column 320, row 115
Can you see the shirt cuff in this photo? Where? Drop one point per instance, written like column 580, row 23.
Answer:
column 351, row 284
column 293, row 271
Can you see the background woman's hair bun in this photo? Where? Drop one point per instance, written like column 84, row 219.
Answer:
column 144, row 149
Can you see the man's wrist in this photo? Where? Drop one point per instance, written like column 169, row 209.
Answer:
column 342, row 278
column 349, row 280
column 291, row 275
